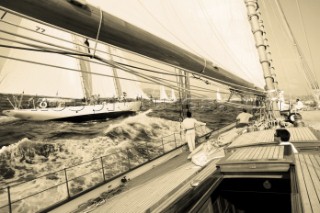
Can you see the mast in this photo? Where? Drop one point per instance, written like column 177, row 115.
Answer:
column 84, row 68
column 90, row 21
column 115, row 74
column 187, row 90
column 265, row 58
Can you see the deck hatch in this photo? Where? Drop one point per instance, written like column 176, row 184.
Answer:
column 256, row 159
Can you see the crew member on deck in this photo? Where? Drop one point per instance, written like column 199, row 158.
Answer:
column 299, row 105
column 243, row 119
column 189, row 125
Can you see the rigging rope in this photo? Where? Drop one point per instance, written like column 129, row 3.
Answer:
column 164, row 26
column 43, row 49
column 76, row 44
column 185, row 29
column 53, row 50
column 309, row 74
column 232, row 57
column 81, row 54
column 98, row 33
column 305, row 35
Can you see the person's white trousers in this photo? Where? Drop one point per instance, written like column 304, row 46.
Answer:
column 190, row 137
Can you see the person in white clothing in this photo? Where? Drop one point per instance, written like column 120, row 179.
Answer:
column 299, row 105
column 189, row 125
column 243, row 119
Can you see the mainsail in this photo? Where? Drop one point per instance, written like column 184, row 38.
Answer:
column 62, row 75
column 18, row 76
column 225, row 68
column 50, row 65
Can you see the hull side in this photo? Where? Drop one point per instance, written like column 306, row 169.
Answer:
column 77, row 113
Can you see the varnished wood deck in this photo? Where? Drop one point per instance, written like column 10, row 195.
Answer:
column 254, row 138
column 308, row 174
column 158, row 192
column 256, row 159
column 302, row 136
column 197, row 179
column 258, row 153
column 251, row 152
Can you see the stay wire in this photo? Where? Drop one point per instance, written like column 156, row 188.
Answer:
column 97, row 50
column 220, row 81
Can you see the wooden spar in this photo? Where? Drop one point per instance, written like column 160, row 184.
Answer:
column 85, row 20
column 252, row 7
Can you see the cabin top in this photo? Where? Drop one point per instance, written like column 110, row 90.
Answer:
column 303, row 136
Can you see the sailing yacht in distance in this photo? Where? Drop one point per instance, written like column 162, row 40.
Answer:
column 218, row 96
column 48, row 74
column 164, row 98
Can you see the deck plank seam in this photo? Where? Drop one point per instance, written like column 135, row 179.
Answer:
column 301, row 185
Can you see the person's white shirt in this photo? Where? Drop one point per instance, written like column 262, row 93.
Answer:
column 244, row 117
column 299, row 105
column 190, row 123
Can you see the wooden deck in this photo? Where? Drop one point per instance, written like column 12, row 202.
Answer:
column 304, row 137
column 269, row 160
column 300, row 137
column 308, row 175
column 302, row 134
column 258, row 153
column 254, row 153
column 254, row 138
column 256, row 159
column 158, row 192
column 193, row 182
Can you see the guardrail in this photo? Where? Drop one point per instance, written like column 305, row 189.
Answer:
column 68, row 183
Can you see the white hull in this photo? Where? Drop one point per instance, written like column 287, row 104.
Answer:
column 76, row 113
column 164, row 101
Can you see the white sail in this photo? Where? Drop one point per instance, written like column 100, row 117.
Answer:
column 213, row 29
column 131, row 87
column 218, row 96
column 44, row 73
column 173, row 95
column 103, row 85
column 75, row 81
column 19, row 77
column 163, row 94
column 84, row 67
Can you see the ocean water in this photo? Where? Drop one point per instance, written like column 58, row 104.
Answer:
column 32, row 149
column 87, row 139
